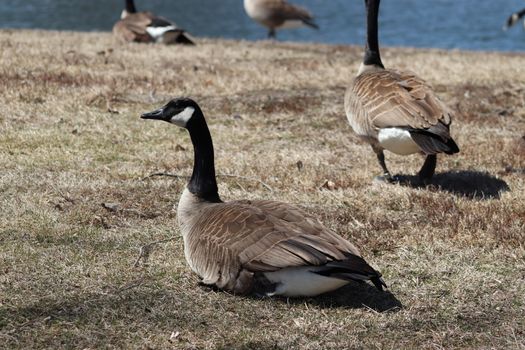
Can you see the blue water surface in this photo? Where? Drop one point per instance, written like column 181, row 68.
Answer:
column 450, row 24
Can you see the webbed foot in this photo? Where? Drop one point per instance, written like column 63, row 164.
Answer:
column 387, row 178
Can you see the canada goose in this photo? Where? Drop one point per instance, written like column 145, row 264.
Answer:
column 145, row 27
column 515, row 17
column 395, row 110
column 254, row 246
column 277, row 14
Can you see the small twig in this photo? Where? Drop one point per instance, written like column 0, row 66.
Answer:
column 240, row 186
column 132, row 285
column 165, row 174
column 152, row 95
column 370, row 309
column 145, row 250
column 264, row 184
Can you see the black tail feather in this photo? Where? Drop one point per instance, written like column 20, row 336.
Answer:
column 431, row 143
column 353, row 268
column 378, row 283
column 310, row 22
column 177, row 36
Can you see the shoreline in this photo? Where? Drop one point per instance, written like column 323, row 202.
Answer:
column 209, row 39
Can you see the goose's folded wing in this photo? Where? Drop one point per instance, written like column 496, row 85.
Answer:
column 399, row 99
column 139, row 19
column 131, row 31
column 312, row 244
column 260, row 236
column 282, row 11
column 157, row 21
column 134, row 27
column 295, row 239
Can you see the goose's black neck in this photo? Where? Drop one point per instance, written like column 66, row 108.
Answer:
column 372, row 56
column 202, row 183
column 130, row 6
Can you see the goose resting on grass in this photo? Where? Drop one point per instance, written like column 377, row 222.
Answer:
column 395, row 110
column 145, row 27
column 260, row 247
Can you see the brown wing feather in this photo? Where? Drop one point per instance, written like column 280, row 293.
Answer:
column 389, row 98
column 142, row 19
column 258, row 236
column 280, row 11
column 133, row 28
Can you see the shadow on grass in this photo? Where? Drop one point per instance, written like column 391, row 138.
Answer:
column 355, row 296
column 154, row 309
column 469, row 184
column 88, row 314
column 81, row 320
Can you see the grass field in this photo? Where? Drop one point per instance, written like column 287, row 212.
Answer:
column 77, row 204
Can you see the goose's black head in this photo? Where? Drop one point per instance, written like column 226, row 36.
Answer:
column 180, row 111
column 512, row 20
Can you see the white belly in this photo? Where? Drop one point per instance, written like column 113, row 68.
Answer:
column 300, row 281
column 255, row 10
column 157, row 32
column 398, row 141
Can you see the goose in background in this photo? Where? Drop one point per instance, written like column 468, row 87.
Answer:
column 514, row 18
column 260, row 247
column 145, row 27
column 396, row 110
column 278, row 14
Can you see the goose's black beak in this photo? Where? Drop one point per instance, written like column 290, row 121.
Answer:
column 158, row 114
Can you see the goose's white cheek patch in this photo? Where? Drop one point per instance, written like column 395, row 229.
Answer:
column 183, row 117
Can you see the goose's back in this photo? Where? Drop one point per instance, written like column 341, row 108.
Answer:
column 389, row 98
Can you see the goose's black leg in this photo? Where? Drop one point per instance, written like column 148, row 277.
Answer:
column 428, row 168
column 381, row 158
column 271, row 33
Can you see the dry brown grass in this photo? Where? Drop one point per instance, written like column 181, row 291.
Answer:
column 71, row 140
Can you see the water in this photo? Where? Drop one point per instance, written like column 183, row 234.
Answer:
column 464, row 24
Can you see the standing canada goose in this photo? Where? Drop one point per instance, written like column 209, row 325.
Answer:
column 395, row 110
column 145, row 27
column 254, row 246
column 277, row 14
column 514, row 18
